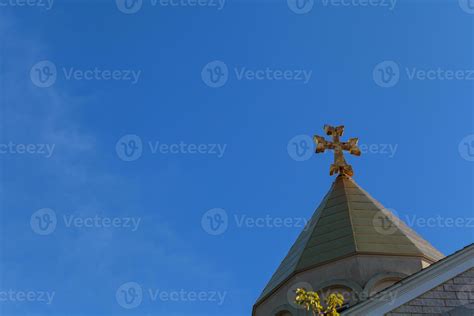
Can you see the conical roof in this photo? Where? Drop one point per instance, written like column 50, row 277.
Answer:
column 348, row 222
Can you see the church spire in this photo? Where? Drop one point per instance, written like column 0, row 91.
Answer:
column 350, row 222
column 340, row 165
column 351, row 244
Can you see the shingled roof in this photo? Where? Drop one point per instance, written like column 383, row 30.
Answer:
column 348, row 222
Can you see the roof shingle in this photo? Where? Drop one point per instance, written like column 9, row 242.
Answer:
column 349, row 221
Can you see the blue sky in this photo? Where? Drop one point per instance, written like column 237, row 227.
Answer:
column 81, row 81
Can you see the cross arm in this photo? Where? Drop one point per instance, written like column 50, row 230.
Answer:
column 351, row 146
column 322, row 144
column 334, row 131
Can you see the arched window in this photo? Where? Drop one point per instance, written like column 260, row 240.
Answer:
column 350, row 297
column 347, row 288
column 383, row 284
column 284, row 310
column 381, row 281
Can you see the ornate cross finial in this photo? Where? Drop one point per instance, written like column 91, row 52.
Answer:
column 340, row 165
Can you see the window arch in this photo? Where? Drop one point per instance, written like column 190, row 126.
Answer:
column 381, row 281
column 349, row 289
column 284, row 310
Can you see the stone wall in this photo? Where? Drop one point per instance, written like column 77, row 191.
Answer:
column 456, row 292
column 355, row 272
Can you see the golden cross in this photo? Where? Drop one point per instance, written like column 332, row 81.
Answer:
column 340, row 165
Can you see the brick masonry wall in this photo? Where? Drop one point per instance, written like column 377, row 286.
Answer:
column 444, row 298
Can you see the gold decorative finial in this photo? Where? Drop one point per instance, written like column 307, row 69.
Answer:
column 340, row 165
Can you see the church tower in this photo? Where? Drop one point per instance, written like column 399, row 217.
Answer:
column 352, row 245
